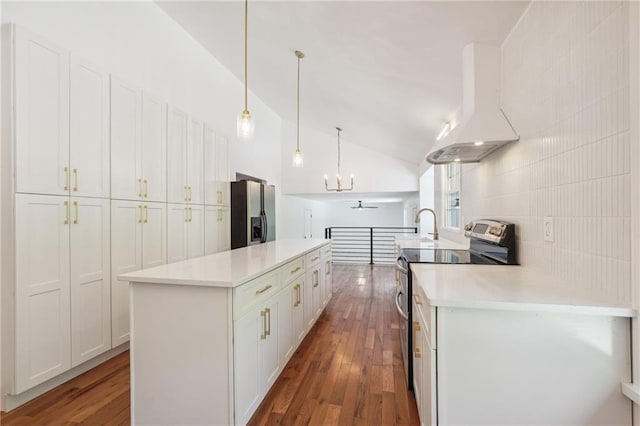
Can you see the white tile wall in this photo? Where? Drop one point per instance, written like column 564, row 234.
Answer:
column 565, row 88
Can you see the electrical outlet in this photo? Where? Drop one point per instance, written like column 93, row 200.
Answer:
column 548, row 229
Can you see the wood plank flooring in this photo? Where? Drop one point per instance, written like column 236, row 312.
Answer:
column 348, row 370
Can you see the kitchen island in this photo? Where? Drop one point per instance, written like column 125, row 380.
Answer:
column 511, row 345
column 210, row 335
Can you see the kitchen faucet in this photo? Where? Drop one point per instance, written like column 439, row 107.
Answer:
column 435, row 222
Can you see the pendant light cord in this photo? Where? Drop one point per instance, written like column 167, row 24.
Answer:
column 298, row 110
column 246, row 13
column 339, row 130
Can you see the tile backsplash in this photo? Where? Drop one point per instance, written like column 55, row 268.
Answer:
column 565, row 88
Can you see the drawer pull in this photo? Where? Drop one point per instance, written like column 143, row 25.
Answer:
column 327, row 268
column 416, row 299
column 297, row 289
column 314, row 259
column 264, row 289
column 268, row 332
column 296, row 270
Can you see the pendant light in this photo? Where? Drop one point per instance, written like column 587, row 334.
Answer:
column 245, row 125
column 338, row 187
column 298, row 157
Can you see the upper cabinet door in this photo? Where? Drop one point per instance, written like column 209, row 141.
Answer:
column 154, row 149
column 42, row 298
column 89, row 140
column 210, row 176
column 177, row 187
column 42, row 115
column 222, row 169
column 195, row 161
column 126, row 183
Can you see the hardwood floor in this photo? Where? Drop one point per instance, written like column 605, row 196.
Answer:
column 348, row 370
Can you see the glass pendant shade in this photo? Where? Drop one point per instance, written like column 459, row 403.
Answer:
column 298, row 159
column 246, row 127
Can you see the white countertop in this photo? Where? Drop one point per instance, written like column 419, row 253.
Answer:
column 426, row 242
column 507, row 288
column 229, row 268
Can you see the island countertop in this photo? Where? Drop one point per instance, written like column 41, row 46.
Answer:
column 229, row 268
column 508, row 288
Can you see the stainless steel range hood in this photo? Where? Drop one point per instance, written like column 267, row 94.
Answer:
column 484, row 127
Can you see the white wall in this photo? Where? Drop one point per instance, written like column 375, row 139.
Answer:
column 374, row 172
column 427, row 199
column 387, row 214
column 565, row 88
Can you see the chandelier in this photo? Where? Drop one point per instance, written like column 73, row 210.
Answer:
column 338, row 187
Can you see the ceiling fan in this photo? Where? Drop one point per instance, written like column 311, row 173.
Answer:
column 360, row 206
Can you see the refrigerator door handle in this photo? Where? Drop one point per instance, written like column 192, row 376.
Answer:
column 266, row 228
column 263, row 227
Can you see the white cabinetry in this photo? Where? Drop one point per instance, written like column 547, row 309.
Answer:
column 138, row 144
column 217, row 227
column 177, row 191
column 90, row 278
column 185, row 231
column 138, row 241
column 62, row 284
column 41, row 83
column 216, row 164
column 424, row 358
column 186, row 158
column 62, row 117
column 43, row 302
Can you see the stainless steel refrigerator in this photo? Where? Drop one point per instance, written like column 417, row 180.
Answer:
column 253, row 213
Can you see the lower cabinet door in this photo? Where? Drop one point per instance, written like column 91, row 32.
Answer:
column 269, row 354
column 42, row 304
column 126, row 256
column 287, row 300
column 90, row 278
column 248, row 335
column 307, row 301
column 177, row 222
column 299, row 329
column 256, row 357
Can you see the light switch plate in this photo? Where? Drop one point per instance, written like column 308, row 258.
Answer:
column 548, row 229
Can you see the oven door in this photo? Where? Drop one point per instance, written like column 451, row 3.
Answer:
column 402, row 305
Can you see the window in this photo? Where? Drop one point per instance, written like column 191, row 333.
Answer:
column 451, row 195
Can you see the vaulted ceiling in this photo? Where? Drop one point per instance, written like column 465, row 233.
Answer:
column 388, row 72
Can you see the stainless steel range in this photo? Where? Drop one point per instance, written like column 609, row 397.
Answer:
column 492, row 242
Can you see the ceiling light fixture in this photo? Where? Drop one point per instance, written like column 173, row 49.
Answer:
column 338, row 187
column 478, row 143
column 298, row 157
column 245, row 124
column 446, row 128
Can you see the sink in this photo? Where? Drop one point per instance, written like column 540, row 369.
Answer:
column 427, row 241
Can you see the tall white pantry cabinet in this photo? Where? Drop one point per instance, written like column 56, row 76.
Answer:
column 89, row 195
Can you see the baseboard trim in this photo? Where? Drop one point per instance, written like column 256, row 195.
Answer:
column 12, row 402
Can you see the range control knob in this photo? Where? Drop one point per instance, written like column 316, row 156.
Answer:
column 498, row 232
column 468, row 226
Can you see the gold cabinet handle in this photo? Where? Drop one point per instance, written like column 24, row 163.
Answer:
column 314, row 259
column 140, row 188
column 186, row 214
column 75, row 207
column 75, row 177
column 140, row 209
column 327, row 268
column 186, row 193
column 297, row 289
column 316, row 282
column 416, row 349
column 219, row 197
column 66, row 178
column 146, row 214
column 190, row 193
column 219, row 215
column 190, row 214
column 66, row 207
column 268, row 332
column 296, row 270
column 264, row 289
column 263, row 314
column 416, row 299
column 146, row 188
